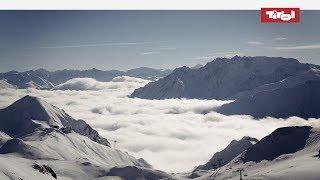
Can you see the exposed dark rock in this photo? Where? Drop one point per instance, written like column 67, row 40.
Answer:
column 282, row 141
column 44, row 169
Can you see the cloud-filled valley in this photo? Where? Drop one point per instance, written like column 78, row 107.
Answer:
column 174, row 135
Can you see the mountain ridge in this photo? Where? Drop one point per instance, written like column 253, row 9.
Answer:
column 224, row 156
column 221, row 78
column 44, row 79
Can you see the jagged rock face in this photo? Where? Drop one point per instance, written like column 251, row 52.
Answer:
column 221, row 78
column 282, row 141
column 30, row 113
column 223, row 157
column 84, row 129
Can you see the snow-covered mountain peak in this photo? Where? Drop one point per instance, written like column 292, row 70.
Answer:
column 181, row 69
column 29, row 114
column 245, row 139
column 28, row 102
column 250, row 139
column 33, row 108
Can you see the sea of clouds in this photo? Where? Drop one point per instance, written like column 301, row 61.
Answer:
column 173, row 135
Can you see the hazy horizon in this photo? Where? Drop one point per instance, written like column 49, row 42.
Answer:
column 124, row 70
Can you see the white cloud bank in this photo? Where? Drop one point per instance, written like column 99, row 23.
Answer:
column 117, row 83
column 173, row 135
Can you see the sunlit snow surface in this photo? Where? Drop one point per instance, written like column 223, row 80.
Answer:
column 173, row 135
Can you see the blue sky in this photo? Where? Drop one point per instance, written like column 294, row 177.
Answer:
column 159, row 39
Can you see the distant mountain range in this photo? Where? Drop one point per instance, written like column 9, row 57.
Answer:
column 262, row 86
column 40, row 141
column 287, row 153
column 43, row 79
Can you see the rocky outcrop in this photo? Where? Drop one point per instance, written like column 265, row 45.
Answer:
column 223, row 157
column 44, row 169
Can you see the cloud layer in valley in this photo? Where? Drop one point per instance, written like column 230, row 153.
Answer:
column 117, row 83
column 173, row 135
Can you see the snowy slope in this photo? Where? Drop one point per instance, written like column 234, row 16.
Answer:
column 287, row 153
column 222, row 78
column 69, row 155
column 30, row 113
column 310, row 75
column 302, row 100
column 53, row 144
column 3, row 138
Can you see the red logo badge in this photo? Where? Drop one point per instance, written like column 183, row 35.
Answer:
column 280, row 15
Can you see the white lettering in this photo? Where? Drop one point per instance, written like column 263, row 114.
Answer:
column 281, row 15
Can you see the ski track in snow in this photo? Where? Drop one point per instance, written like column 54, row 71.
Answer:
column 173, row 135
